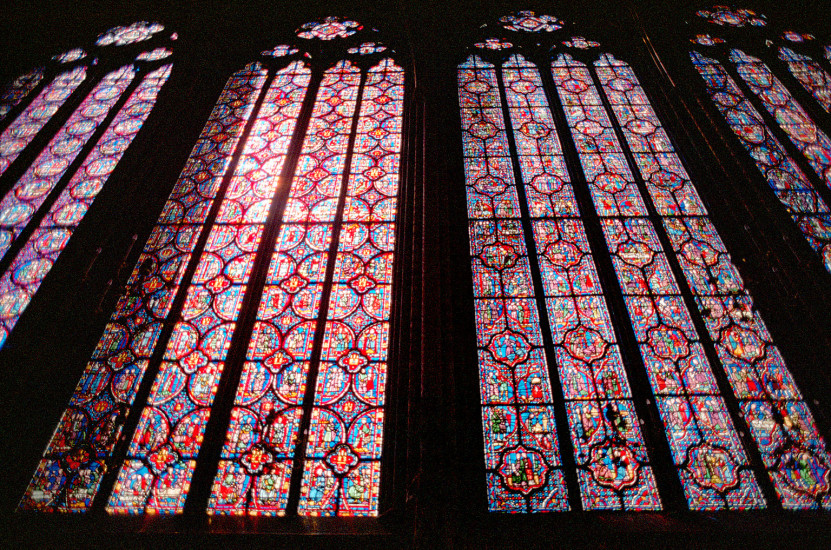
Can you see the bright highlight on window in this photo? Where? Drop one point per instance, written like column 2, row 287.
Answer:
column 162, row 456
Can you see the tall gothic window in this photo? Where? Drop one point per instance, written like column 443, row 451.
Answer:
column 64, row 129
column 244, row 369
column 605, row 298
column 766, row 85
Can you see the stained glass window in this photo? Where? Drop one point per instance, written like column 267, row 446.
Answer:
column 789, row 149
column 695, row 416
column 581, row 43
column 528, row 21
column 15, row 92
column 26, row 126
column 122, row 36
column 789, row 183
column 272, row 263
column 68, row 477
column 160, row 462
column 515, row 384
column 43, row 207
column 548, row 348
column 69, row 56
column 810, row 74
column 792, row 36
column 726, row 16
column 342, row 467
column 791, row 117
column 328, row 29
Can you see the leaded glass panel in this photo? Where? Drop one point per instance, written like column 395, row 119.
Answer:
column 689, row 314
column 313, row 233
column 791, row 151
column 522, row 454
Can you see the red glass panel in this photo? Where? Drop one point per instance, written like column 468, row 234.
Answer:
column 155, row 477
column 345, row 434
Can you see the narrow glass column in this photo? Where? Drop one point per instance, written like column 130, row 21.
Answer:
column 343, row 468
column 257, row 458
column 810, row 74
column 708, row 454
column 791, row 117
